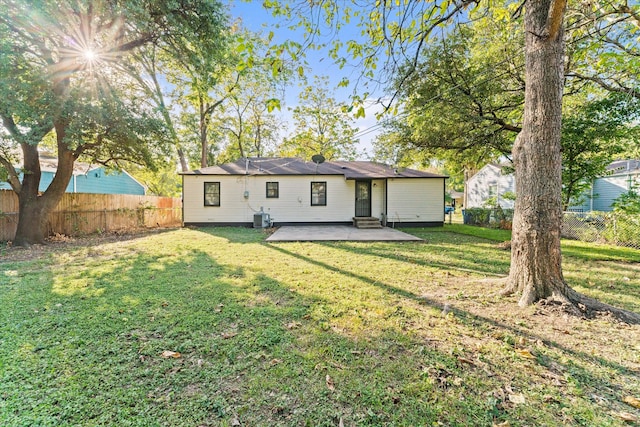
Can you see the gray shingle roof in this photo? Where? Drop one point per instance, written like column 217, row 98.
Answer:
column 623, row 166
column 295, row 166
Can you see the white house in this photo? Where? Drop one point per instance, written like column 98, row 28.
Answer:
column 490, row 183
column 293, row 191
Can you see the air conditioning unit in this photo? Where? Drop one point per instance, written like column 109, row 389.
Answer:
column 261, row 220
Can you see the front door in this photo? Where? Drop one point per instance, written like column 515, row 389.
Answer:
column 363, row 198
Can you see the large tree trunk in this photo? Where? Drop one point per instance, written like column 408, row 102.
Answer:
column 536, row 262
column 35, row 208
column 31, row 224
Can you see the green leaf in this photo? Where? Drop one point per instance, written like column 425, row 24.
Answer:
column 273, row 104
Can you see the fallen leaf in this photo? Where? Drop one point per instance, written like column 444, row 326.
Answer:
column 167, row 354
column 599, row 399
column 293, row 325
column 330, row 384
column 628, row 417
column 227, row 335
column 633, row 401
column 502, row 424
column 340, row 423
column 275, row 361
column 526, row 353
column 467, row 361
column 517, row 399
column 235, row 421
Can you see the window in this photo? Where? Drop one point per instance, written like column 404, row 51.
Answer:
column 318, row 194
column 212, row 194
column 272, row 190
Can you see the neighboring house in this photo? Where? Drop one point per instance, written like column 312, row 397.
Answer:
column 492, row 183
column 87, row 179
column 293, row 191
column 489, row 185
column 457, row 199
column 621, row 176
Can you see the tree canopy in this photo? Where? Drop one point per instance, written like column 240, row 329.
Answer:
column 322, row 126
column 60, row 76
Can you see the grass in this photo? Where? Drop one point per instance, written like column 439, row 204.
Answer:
column 290, row 334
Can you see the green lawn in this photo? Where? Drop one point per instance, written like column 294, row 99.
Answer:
column 307, row 334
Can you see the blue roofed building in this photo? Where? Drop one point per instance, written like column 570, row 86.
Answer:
column 87, row 179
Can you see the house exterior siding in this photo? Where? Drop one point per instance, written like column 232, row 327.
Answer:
column 103, row 182
column 411, row 201
column 292, row 206
column 415, row 201
column 408, row 197
column 489, row 179
column 607, row 189
column 96, row 181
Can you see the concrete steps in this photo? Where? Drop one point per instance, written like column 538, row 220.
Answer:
column 366, row 222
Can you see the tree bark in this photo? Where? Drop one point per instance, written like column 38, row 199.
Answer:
column 34, row 207
column 536, row 261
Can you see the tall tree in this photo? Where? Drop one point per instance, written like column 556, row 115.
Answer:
column 401, row 30
column 594, row 135
column 246, row 124
column 322, row 126
column 57, row 76
column 536, row 260
column 464, row 103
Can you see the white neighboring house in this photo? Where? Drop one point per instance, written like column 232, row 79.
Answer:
column 489, row 183
column 294, row 192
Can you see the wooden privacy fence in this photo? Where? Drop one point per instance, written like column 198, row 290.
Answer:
column 83, row 213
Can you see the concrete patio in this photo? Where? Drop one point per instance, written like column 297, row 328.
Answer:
column 313, row 233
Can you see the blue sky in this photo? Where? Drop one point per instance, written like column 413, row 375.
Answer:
column 255, row 18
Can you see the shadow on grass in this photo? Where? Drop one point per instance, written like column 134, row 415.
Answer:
column 252, row 347
column 595, row 252
column 466, row 259
column 236, row 234
column 249, row 349
column 469, row 318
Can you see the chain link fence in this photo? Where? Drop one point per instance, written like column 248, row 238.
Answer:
column 603, row 227
column 613, row 228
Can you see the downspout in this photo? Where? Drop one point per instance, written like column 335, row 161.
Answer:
column 386, row 201
column 182, row 201
column 444, row 199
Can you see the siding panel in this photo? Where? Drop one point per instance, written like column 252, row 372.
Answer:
column 292, row 205
column 415, row 200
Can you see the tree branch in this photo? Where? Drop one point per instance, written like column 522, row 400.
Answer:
column 606, row 85
column 14, row 179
